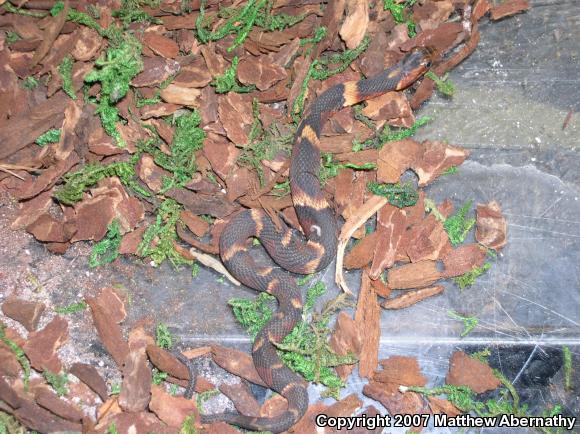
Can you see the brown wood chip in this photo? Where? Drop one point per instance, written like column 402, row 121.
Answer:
column 466, row 371
column 411, row 297
column 367, row 318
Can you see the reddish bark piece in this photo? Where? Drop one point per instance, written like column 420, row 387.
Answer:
column 307, row 424
column 88, row 44
column 50, row 401
column 37, row 418
column 346, row 338
column 235, row 112
column 215, row 205
column 51, row 32
column 345, row 407
column 221, row 153
column 158, row 110
column 195, row 224
column 362, row 253
column 31, row 209
column 136, row 388
column 463, row 259
column 508, row 8
column 131, row 241
column 155, row 71
column 195, row 74
column 180, row 22
column 41, row 346
column 437, row 157
column 8, row 394
column 395, row 158
column 391, row 224
column 440, row 406
column 105, row 319
column 167, row 362
column 27, row 313
column 355, row 24
column 466, row 371
column 491, row 226
column 107, row 201
column 150, row 173
column 49, row 177
column 90, row 376
column 242, row 397
column 239, row 182
column 427, row 240
column 261, row 71
column 161, row 45
column 412, row 297
column 400, row 370
column 431, row 14
column 172, row 410
column 367, row 318
column 48, row 228
column 414, row 275
column 187, row 96
column 380, row 288
column 9, row 365
column 237, row 363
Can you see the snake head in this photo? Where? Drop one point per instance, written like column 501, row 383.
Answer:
column 414, row 66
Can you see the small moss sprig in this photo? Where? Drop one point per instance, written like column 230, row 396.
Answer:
column 444, row 85
column 57, row 381
column 76, row 183
column 163, row 337
column 567, row 357
column 469, row 322
column 458, row 225
column 65, row 70
column 399, row 195
column 18, row 352
column 71, row 308
column 158, row 240
column 468, row 279
column 397, row 10
column 51, row 136
column 107, row 250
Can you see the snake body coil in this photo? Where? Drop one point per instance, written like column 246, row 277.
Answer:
column 294, row 252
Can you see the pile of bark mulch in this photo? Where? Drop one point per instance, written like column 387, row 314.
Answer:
column 82, row 401
column 47, row 82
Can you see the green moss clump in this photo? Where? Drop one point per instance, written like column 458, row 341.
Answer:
column 132, row 11
column 397, row 10
column 458, row 226
column 188, row 426
column 114, row 71
column 107, row 250
column 330, row 168
column 30, row 83
column 77, row 182
column 399, row 195
column 71, row 308
column 159, row 237
column 469, row 278
column 57, row 381
column 163, row 337
column 187, row 139
column 51, row 136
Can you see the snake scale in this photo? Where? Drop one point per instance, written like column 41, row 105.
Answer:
column 299, row 253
